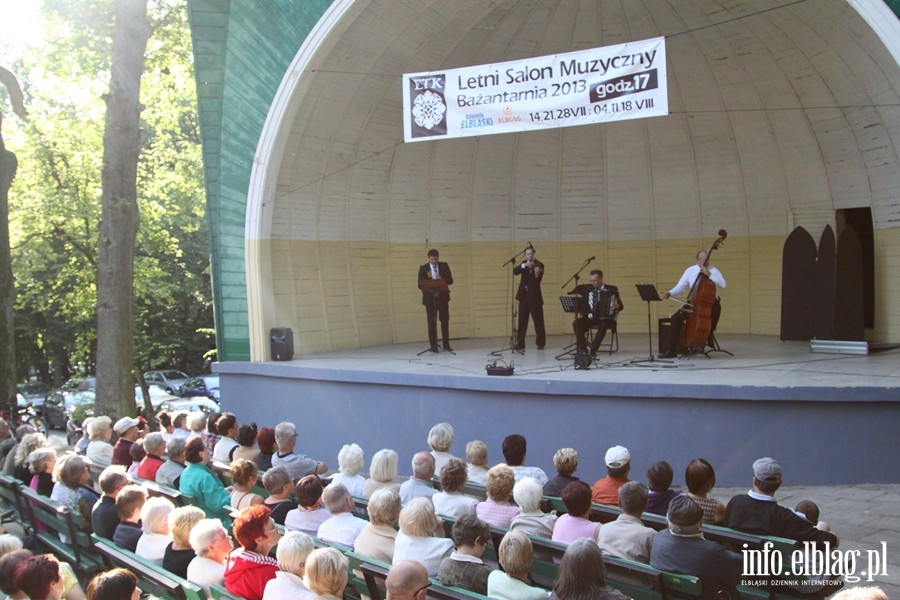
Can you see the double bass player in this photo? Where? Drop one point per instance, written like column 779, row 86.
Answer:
column 687, row 282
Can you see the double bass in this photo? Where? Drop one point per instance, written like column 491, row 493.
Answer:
column 698, row 322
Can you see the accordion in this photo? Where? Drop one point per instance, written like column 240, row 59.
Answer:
column 603, row 304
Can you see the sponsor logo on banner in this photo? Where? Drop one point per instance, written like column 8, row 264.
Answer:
column 627, row 81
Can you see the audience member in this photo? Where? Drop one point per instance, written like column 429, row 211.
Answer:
column 416, row 540
column 382, row 472
column 298, row 465
column 310, row 513
column 246, row 438
column 516, row 554
column 7, row 441
column 575, row 523
column 582, row 574
column 810, row 511
column 265, row 441
column 129, row 502
column 627, row 537
column 682, row 549
column 293, row 550
column 531, row 520
column 477, row 455
column 871, row 592
column 700, row 478
column 497, row 509
column 104, row 518
column 83, row 442
column 166, row 428
column 326, row 573
column 618, row 464
column 9, row 562
column 71, row 490
column 342, row 527
column 128, row 432
column 197, row 425
column 515, row 449
column 138, row 454
column 450, row 501
column 42, row 463
column 39, row 578
column 249, row 568
column 278, row 483
column 659, row 480
column 378, row 537
column 9, row 543
column 30, row 442
column 244, row 477
column 227, row 429
column 9, row 464
column 99, row 449
column 169, row 473
column 407, row 580
column 211, row 545
column 155, row 447
column 201, row 484
column 350, row 461
column 209, row 432
column 440, row 438
column 179, row 425
column 757, row 511
column 464, row 567
column 180, row 553
column 419, row 485
column 565, row 461
column 155, row 523
column 116, row 584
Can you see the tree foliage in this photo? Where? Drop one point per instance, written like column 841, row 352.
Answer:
column 55, row 199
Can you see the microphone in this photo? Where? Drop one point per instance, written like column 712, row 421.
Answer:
column 592, row 258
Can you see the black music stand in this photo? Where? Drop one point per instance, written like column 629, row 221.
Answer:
column 435, row 287
column 649, row 294
column 576, row 305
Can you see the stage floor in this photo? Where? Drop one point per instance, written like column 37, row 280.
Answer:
column 760, row 363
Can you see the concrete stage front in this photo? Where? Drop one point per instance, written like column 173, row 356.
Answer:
column 827, row 418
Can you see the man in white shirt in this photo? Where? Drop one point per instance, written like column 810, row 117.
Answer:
column 686, row 283
column 298, row 465
column 342, row 527
column 419, row 485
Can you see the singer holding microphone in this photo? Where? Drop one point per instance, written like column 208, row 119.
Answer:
column 531, row 301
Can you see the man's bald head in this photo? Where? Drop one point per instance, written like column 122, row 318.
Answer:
column 405, row 580
column 423, row 466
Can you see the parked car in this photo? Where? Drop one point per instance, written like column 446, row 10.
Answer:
column 33, row 393
column 190, row 404
column 60, row 407
column 79, row 384
column 157, row 396
column 205, row 385
column 170, row 380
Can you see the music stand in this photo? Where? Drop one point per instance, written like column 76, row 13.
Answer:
column 649, row 294
column 435, row 287
column 576, row 305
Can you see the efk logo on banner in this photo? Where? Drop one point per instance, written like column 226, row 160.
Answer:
column 627, row 81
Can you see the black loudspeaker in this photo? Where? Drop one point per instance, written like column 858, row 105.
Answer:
column 282, row 343
column 665, row 334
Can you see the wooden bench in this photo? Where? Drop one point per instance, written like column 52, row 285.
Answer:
column 57, row 520
column 152, row 578
column 162, row 491
column 11, row 500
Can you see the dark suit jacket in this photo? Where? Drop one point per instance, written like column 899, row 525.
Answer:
column 425, row 273
column 586, row 289
column 529, row 284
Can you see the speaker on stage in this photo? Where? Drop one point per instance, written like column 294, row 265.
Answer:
column 282, row 343
column 665, row 334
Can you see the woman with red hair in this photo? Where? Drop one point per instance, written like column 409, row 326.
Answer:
column 250, row 567
column 39, row 577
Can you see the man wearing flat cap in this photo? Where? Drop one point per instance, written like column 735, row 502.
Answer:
column 682, row 549
column 758, row 512
column 618, row 465
column 127, row 429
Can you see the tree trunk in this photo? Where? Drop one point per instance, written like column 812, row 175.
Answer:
column 8, row 165
column 120, row 217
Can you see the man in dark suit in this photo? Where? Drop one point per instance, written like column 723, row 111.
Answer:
column 600, row 316
column 436, row 303
column 531, row 301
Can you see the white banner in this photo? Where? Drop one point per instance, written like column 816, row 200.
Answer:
column 614, row 83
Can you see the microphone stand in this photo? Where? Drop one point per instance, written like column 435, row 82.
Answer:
column 513, row 313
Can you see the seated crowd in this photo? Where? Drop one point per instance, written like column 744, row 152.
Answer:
column 274, row 488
